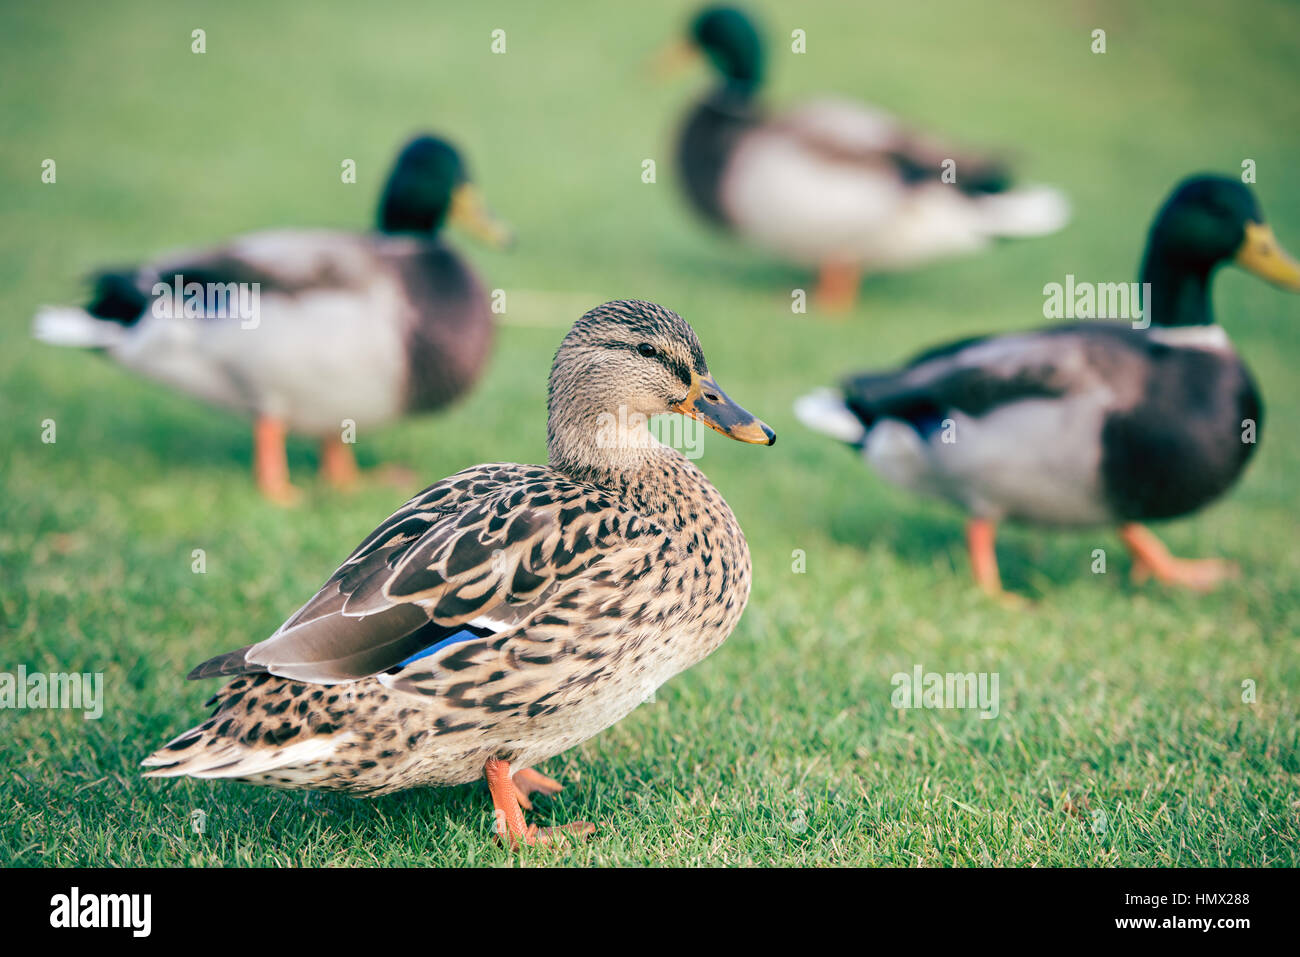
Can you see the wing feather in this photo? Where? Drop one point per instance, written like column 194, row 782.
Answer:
column 840, row 132
column 487, row 548
column 975, row 376
column 285, row 261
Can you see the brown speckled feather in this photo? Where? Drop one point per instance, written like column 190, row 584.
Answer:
column 556, row 601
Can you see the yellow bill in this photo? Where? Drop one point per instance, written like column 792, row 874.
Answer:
column 1261, row 254
column 710, row 405
column 672, row 59
column 470, row 213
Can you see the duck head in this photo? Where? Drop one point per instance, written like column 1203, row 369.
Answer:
column 728, row 38
column 1208, row 221
column 429, row 186
column 622, row 363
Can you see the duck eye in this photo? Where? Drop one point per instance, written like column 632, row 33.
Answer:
column 647, row 350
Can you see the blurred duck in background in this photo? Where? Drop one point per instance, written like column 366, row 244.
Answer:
column 1085, row 423
column 832, row 184
column 310, row 331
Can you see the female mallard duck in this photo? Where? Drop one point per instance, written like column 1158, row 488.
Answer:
column 832, row 184
column 508, row 612
column 1085, row 422
column 310, row 330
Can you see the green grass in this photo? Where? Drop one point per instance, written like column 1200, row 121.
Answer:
column 782, row 748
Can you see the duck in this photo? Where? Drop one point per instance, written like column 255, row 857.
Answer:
column 508, row 612
column 837, row 186
column 312, row 331
column 1090, row 422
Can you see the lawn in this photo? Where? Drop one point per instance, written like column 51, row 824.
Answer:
column 1122, row 736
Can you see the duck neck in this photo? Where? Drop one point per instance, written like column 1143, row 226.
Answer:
column 735, row 91
column 399, row 221
column 616, row 451
column 607, row 447
column 1179, row 291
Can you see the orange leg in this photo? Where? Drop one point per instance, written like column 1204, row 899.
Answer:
column 1152, row 559
column 837, row 287
column 980, row 536
column 527, row 781
column 338, row 466
column 270, row 463
column 510, row 827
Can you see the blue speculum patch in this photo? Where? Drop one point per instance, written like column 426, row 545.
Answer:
column 465, row 634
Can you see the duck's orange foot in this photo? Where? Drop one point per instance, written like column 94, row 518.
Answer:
column 529, row 781
column 338, row 466
column 558, row 836
column 339, row 469
column 837, row 288
column 1198, row 574
column 280, row 493
column 1152, row 560
column 507, row 799
column 271, row 464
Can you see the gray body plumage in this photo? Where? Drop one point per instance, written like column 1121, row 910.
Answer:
column 1073, row 425
column 347, row 327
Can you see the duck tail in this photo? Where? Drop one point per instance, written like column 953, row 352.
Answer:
column 75, row 328
column 116, row 303
column 825, row 411
column 184, row 754
column 1024, row 211
column 204, row 752
column 254, row 730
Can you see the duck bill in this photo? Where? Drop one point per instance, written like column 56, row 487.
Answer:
column 708, row 403
column 1262, row 255
column 673, row 59
column 470, row 213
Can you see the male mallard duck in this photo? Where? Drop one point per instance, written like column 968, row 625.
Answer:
column 1085, row 422
column 508, row 612
column 310, row 330
column 833, row 184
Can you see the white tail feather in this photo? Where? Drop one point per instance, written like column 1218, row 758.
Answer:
column 230, row 760
column 1027, row 211
column 824, row 411
column 68, row 326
